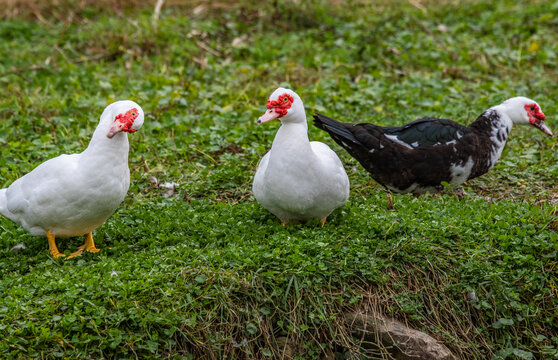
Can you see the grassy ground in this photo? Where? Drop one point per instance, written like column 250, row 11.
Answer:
column 207, row 272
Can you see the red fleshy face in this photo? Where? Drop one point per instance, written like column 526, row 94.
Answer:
column 281, row 105
column 535, row 113
column 127, row 120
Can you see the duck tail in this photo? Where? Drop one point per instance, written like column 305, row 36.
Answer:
column 4, row 203
column 336, row 129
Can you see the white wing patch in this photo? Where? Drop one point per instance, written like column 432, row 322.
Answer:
column 395, row 139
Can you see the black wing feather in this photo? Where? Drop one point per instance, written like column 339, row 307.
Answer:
column 427, row 132
column 333, row 127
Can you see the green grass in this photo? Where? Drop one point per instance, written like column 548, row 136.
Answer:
column 210, row 273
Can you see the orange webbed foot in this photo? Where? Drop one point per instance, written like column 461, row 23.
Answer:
column 88, row 245
column 52, row 245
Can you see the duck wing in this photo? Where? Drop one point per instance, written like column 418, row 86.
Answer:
column 425, row 132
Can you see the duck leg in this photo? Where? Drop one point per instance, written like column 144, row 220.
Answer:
column 88, row 245
column 52, row 245
column 389, row 201
column 322, row 221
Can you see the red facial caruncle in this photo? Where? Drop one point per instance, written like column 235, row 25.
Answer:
column 123, row 122
column 282, row 104
column 537, row 117
column 277, row 108
column 535, row 113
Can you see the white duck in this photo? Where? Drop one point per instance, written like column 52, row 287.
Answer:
column 298, row 180
column 72, row 195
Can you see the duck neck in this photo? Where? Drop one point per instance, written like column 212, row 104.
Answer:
column 114, row 149
column 292, row 137
column 496, row 125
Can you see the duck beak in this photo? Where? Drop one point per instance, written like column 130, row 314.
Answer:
column 122, row 123
column 269, row 115
column 116, row 127
column 542, row 127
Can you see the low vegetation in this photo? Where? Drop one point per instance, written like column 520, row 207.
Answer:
column 201, row 270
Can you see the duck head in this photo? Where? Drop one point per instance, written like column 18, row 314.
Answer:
column 285, row 105
column 125, row 115
column 522, row 110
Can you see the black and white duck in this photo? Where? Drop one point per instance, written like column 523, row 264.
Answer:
column 419, row 156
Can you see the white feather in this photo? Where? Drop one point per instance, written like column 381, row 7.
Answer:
column 72, row 195
column 396, row 139
column 460, row 172
column 298, row 179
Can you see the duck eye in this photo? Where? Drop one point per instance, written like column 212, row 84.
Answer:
column 286, row 99
column 532, row 108
column 133, row 114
